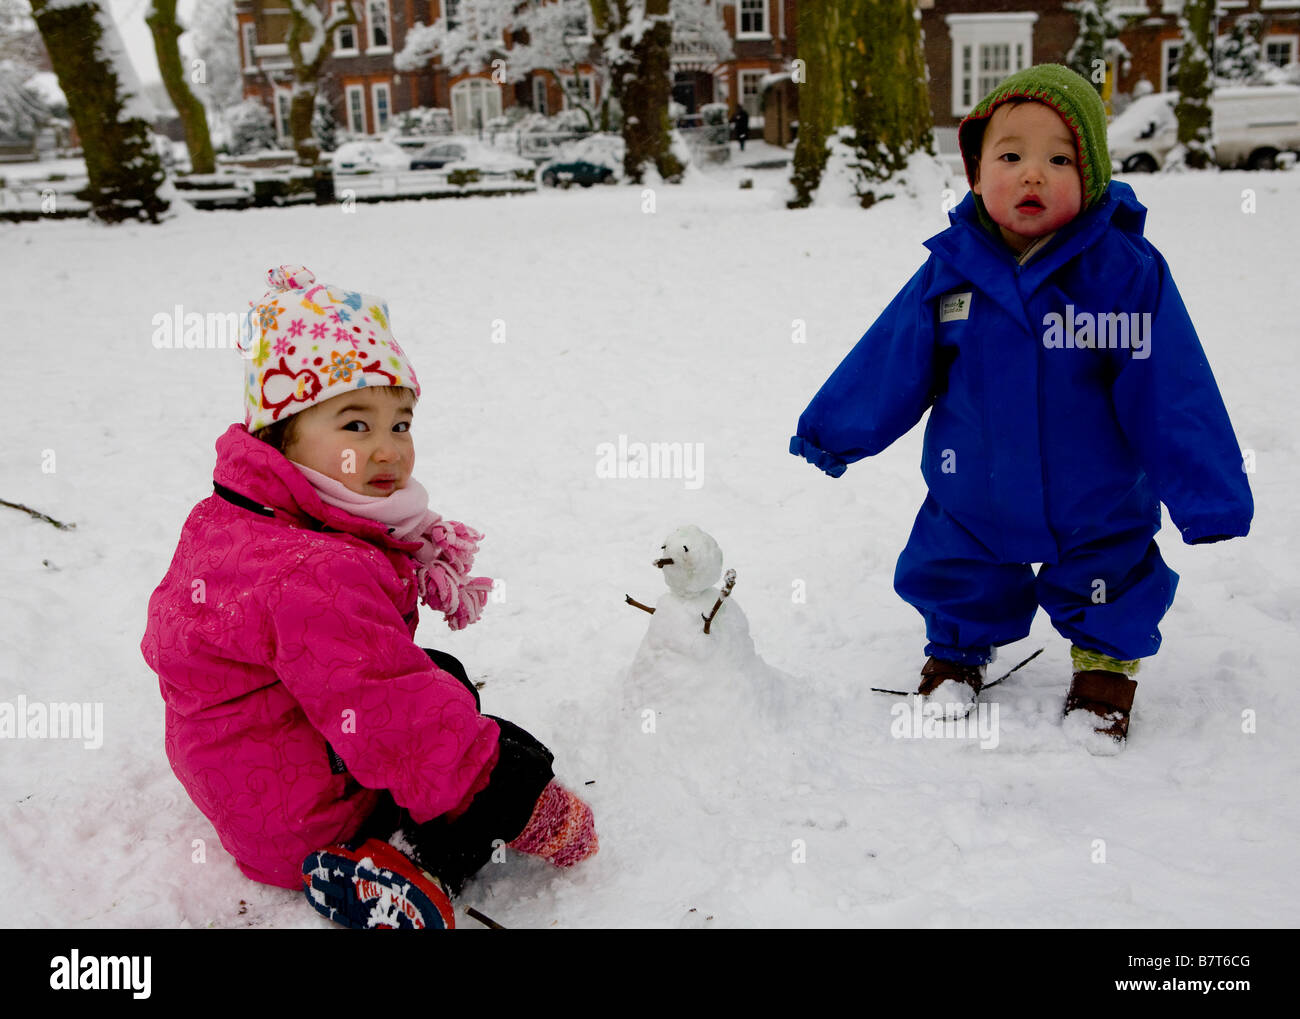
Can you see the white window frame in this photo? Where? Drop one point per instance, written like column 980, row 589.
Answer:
column 339, row 49
column 1167, row 71
column 354, row 104
column 763, row 32
column 586, row 34
column 1293, row 41
column 977, row 31
column 248, row 34
column 371, row 45
column 444, row 6
column 381, row 121
column 586, row 82
column 753, row 73
column 540, row 103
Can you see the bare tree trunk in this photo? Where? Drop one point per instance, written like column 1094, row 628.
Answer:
column 865, row 72
column 306, row 73
column 161, row 19
column 124, row 170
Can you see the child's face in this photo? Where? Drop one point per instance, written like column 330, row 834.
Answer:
column 361, row 438
column 1027, row 173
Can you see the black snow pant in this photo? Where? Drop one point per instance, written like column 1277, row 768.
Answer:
column 453, row 850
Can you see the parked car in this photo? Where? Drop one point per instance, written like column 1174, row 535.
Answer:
column 592, row 159
column 1252, row 124
column 436, row 155
column 559, row 173
column 368, row 157
column 412, row 144
column 472, row 157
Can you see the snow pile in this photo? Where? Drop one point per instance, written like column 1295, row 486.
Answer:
column 924, row 179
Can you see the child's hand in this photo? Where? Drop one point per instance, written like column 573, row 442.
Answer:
column 561, row 830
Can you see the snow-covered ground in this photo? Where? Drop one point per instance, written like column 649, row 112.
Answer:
column 543, row 328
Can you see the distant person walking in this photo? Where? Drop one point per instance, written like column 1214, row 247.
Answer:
column 740, row 122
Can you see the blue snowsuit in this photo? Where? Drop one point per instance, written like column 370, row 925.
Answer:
column 1041, row 447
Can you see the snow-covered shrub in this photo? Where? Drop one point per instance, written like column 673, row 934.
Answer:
column 1239, row 55
column 572, row 119
column 714, row 113
column 251, row 128
column 424, row 120
column 324, row 125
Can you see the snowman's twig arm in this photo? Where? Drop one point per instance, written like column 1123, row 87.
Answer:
column 728, row 582
column 643, row 608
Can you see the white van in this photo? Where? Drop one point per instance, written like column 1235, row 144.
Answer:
column 1252, row 125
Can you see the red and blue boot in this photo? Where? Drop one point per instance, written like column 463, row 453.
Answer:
column 375, row 886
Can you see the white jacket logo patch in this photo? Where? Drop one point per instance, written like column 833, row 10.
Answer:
column 954, row 307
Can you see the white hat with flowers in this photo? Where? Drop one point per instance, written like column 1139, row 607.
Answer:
column 307, row 342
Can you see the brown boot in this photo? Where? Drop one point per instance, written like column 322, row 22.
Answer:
column 1109, row 697
column 966, row 682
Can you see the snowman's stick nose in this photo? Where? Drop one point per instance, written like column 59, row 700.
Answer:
column 661, row 563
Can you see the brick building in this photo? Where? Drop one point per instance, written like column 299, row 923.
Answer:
column 971, row 45
column 367, row 92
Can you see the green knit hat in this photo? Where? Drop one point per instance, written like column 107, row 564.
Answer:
column 1077, row 103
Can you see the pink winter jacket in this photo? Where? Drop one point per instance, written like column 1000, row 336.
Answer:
column 276, row 631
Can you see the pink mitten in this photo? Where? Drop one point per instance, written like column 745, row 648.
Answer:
column 561, row 830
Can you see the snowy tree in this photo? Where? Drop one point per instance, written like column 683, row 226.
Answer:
column 636, row 38
column 160, row 16
column 103, row 93
column 553, row 39
column 513, row 39
column 310, row 43
column 23, row 110
column 554, row 31
column 1239, row 55
column 466, row 43
column 865, row 87
column 214, row 39
column 509, row 38
column 1194, row 85
column 20, row 42
column 1097, row 44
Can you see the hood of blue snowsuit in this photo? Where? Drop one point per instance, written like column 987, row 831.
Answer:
column 1036, row 449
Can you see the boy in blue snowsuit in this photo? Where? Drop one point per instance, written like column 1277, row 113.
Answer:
column 1069, row 397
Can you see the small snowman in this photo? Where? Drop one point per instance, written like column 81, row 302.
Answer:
column 696, row 667
column 698, row 695
column 695, row 618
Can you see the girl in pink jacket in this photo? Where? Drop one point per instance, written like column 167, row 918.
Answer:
column 302, row 718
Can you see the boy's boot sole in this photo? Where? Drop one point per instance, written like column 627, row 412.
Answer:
column 375, row 886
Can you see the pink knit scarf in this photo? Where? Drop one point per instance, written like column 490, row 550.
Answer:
column 447, row 547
